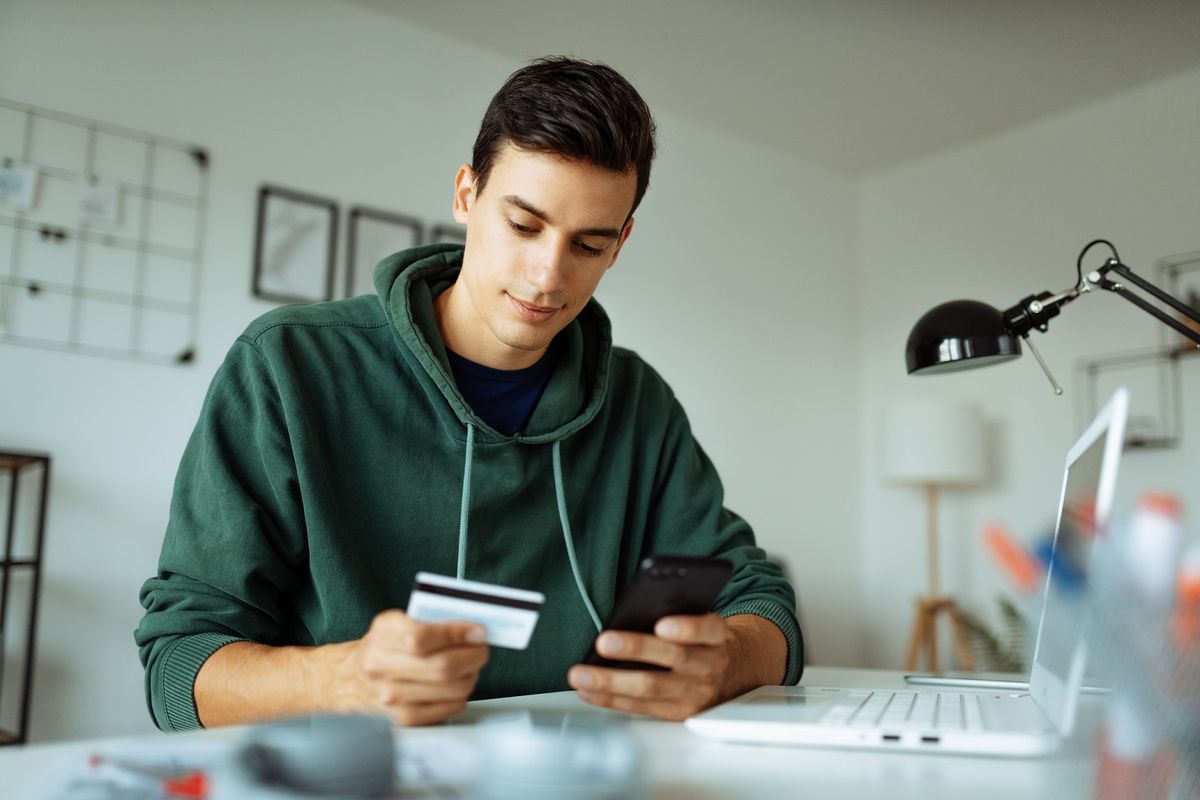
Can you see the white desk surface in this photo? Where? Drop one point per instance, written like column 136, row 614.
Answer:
column 681, row 765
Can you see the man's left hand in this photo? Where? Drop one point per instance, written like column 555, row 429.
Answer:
column 696, row 650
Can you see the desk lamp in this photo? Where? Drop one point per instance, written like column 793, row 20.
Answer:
column 964, row 334
column 934, row 445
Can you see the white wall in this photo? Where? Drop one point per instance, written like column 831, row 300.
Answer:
column 738, row 256
column 997, row 221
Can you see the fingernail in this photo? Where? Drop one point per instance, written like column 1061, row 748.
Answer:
column 581, row 679
column 611, row 643
column 476, row 636
column 667, row 628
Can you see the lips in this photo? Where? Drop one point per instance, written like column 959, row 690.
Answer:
column 530, row 312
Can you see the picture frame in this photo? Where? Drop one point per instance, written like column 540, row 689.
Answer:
column 448, row 232
column 1180, row 278
column 1152, row 376
column 373, row 235
column 294, row 246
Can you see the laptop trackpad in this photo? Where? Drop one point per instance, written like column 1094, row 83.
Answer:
column 790, row 703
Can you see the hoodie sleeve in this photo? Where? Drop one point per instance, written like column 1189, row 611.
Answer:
column 233, row 540
column 689, row 518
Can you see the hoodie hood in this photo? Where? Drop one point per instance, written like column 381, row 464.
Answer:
column 407, row 283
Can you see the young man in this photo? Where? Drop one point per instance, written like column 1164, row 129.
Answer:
column 475, row 419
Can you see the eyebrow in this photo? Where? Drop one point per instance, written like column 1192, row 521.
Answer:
column 525, row 205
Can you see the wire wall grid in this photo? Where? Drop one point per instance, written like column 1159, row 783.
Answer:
column 102, row 254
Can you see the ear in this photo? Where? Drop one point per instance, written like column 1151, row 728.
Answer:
column 464, row 193
column 625, row 231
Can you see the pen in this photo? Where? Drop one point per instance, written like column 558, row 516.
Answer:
column 1013, row 559
column 1185, row 621
column 181, row 784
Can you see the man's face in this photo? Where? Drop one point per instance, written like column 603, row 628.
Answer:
column 539, row 238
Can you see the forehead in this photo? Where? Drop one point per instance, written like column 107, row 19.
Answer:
column 567, row 189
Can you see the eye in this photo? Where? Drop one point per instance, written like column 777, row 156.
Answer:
column 591, row 251
column 522, row 229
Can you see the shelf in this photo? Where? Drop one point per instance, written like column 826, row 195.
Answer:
column 14, row 462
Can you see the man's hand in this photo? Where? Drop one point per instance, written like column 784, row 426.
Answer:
column 695, row 650
column 709, row 660
column 416, row 673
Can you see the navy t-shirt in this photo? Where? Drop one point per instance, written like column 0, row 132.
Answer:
column 503, row 398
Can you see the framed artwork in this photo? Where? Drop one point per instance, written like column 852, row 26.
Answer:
column 375, row 235
column 453, row 233
column 1181, row 279
column 1155, row 408
column 294, row 247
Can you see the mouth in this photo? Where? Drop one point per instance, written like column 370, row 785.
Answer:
column 531, row 312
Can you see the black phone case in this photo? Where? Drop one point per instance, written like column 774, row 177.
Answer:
column 664, row 586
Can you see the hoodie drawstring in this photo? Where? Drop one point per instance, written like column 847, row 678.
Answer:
column 465, row 508
column 561, row 495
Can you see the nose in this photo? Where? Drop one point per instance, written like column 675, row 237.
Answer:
column 546, row 270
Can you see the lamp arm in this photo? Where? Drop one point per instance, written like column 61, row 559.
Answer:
column 1100, row 278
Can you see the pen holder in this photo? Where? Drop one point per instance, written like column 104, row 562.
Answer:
column 1156, row 677
column 547, row 756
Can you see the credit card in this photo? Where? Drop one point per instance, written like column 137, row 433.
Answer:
column 508, row 615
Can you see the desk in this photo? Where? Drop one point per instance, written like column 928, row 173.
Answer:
column 681, row 765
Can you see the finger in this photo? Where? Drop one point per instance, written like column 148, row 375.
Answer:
column 426, row 713
column 382, row 663
column 673, row 710
column 707, row 629
column 395, row 694
column 640, row 684
column 397, row 630
column 685, row 659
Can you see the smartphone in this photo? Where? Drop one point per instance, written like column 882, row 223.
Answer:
column 663, row 586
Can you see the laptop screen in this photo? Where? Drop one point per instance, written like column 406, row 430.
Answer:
column 1060, row 653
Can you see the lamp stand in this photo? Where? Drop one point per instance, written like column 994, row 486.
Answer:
column 925, row 624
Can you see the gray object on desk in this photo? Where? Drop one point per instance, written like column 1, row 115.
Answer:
column 343, row 755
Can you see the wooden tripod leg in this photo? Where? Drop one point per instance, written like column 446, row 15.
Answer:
column 931, row 635
column 962, row 645
column 919, row 634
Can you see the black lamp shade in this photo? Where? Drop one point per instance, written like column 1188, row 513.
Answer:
column 961, row 334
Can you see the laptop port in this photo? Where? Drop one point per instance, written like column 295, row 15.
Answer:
column 930, row 739
column 891, row 737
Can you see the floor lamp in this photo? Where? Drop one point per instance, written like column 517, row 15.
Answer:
column 934, row 445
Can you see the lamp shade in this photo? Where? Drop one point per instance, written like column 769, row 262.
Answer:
column 934, row 443
column 961, row 334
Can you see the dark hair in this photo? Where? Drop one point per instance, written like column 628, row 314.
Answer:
column 576, row 109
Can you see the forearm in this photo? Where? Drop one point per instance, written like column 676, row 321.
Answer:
column 757, row 655
column 245, row 682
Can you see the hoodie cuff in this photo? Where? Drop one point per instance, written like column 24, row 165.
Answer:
column 788, row 626
column 175, row 709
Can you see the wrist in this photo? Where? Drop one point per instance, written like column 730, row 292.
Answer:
column 757, row 655
column 335, row 677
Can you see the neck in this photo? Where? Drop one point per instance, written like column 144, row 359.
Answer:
column 467, row 334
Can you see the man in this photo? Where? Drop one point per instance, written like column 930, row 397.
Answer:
column 473, row 419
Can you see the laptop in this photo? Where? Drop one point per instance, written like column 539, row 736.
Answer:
column 978, row 722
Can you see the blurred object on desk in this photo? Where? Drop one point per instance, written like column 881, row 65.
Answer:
column 547, row 756
column 1139, row 591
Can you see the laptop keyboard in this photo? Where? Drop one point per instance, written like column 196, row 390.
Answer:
column 907, row 710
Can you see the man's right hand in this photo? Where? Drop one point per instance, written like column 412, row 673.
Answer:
column 416, row 673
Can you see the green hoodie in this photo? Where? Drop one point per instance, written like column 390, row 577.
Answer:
column 334, row 458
